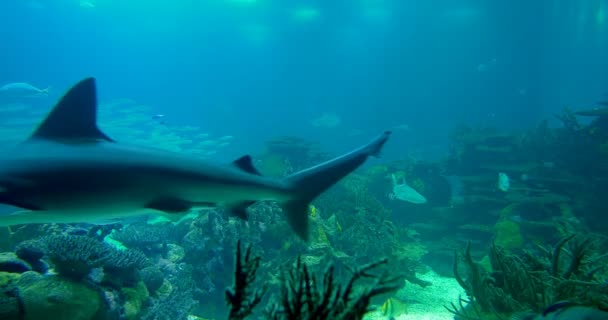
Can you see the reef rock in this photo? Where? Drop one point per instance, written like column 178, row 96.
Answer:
column 57, row 298
column 9, row 262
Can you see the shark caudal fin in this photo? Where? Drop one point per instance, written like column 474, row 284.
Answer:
column 307, row 184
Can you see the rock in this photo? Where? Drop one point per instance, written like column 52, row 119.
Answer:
column 134, row 300
column 30, row 250
column 9, row 262
column 508, row 234
column 9, row 296
column 40, row 266
column 152, row 277
column 28, row 278
column 175, row 253
column 57, row 298
column 165, row 289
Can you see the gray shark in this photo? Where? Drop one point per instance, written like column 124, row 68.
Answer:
column 69, row 171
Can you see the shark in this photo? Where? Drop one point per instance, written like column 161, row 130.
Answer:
column 70, row 171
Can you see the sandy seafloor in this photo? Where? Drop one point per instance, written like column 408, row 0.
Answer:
column 420, row 303
column 426, row 303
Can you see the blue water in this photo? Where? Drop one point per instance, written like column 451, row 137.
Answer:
column 256, row 69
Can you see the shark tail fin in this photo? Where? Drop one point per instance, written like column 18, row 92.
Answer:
column 307, row 184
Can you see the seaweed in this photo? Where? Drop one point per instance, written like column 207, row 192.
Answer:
column 307, row 295
column 242, row 298
column 531, row 281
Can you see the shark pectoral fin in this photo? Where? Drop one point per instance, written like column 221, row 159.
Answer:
column 170, row 205
column 240, row 209
column 246, row 164
column 74, row 118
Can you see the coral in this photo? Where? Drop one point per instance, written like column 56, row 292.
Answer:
column 32, row 251
column 146, row 237
column 176, row 304
column 533, row 280
column 59, row 298
column 11, row 304
column 134, row 300
column 306, row 295
column 9, row 262
column 76, row 256
column 153, row 278
column 123, row 266
column 242, row 299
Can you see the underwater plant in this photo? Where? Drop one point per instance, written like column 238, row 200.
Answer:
column 242, row 298
column 531, row 281
column 307, row 295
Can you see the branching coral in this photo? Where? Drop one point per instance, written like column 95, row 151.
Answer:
column 242, row 299
column 305, row 295
column 532, row 281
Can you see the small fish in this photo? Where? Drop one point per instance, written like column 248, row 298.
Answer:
column 225, row 138
column 402, row 127
column 387, row 308
column 158, row 116
column 503, row 182
column 313, row 211
column 393, row 307
column 22, row 90
column 565, row 310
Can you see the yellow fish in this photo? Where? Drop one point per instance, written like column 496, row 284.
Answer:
column 313, row 211
column 387, row 308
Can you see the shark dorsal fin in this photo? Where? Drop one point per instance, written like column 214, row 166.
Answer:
column 74, row 117
column 246, row 164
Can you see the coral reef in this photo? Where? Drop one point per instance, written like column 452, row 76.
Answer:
column 242, row 298
column 306, row 295
column 76, row 256
column 175, row 270
column 122, row 267
column 532, row 280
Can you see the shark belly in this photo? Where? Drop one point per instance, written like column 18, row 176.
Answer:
column 98, row 192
